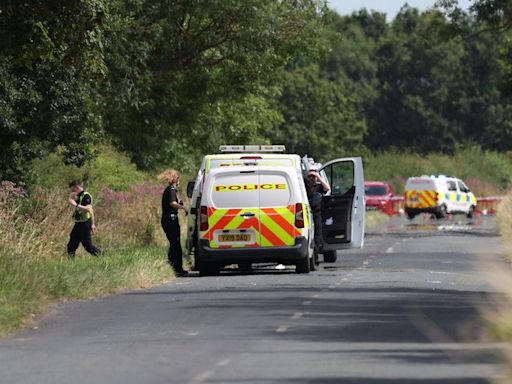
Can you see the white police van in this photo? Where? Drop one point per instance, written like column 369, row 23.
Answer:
column 438, row 195
column 342, row 208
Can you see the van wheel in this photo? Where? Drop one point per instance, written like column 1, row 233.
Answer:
column 411, row 215
column 441, row 212
column 314, row 260
column 471, row 212
column 302, row 265
column 330, row 257
column 312, row 264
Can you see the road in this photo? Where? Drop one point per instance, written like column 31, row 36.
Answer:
column 405, row 309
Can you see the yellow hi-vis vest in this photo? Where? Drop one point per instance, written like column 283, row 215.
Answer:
column 80, row 216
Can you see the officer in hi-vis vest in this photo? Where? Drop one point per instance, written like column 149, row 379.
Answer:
column 84, row 221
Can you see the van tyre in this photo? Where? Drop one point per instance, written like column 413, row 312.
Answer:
column 441, row 212
column 471, row 212
column 330, row 257
column 302, row 265
column 411, row 215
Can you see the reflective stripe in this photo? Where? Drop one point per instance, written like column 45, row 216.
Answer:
column 80, row 216
column 273, row 227
column 420, row 199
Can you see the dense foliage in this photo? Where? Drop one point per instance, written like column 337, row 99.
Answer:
column 167, row 81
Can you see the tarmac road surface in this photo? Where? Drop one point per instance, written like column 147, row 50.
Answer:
column 405, row 309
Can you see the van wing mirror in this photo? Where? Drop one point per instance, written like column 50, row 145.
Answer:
column 190, row 188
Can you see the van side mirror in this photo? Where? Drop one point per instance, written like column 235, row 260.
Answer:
column 190, row 188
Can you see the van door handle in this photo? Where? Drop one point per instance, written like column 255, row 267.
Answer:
column 248, row 214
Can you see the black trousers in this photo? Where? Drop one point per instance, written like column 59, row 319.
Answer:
column 171, row 227
column 81, row 233
column 317, row 220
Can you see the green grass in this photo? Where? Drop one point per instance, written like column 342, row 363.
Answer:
column 28, row 287
column 374, row 218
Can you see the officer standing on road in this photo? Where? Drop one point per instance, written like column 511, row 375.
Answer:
column 83, row 217
column 316, row 187
column 170, row 221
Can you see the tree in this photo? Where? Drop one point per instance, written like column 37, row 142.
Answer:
column 319, row 117
column 51, row 58
column 186, row 74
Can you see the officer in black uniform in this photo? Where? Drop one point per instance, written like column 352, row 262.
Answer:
column 83, row 217
column 316, row 187
column 170, row 221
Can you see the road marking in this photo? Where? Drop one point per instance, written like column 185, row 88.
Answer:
column 434, row 282
column 389, row 250
column 202, row 377
column 297, row 316
column 307, row 302
column 282, row 328
column 223, row 363
column 366, row 263
column 315, row 296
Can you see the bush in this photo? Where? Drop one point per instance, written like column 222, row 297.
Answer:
column 110, row 169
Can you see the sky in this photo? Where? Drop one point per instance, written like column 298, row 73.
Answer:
column 389, row 7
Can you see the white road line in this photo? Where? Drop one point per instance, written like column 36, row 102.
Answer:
column 223, row 363
column 315, row 296
column 389, row 250
column 307, row 302
column 202, row 377
column 297, row 316
column 282, row 328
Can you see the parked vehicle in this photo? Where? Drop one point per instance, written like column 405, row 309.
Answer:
column 378, row 196
column 252, row 207
column 439, row 195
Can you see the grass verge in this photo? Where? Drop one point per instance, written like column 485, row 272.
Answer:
column 374, row 218
column 500, row 328
column 28, row 285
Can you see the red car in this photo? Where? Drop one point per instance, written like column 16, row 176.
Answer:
column 378, row 196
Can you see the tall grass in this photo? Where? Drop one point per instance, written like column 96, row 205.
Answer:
column 501, row 322
column 34, row 268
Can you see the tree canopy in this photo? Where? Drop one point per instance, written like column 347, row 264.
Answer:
column 168, row 80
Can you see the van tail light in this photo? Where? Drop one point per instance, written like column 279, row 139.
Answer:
column 203, row 218
column 299, row 216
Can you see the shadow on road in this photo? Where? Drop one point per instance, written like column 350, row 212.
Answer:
column 424, row 328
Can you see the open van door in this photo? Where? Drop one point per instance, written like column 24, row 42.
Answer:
column 343, row 207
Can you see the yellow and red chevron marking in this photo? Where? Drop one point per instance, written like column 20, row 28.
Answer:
column 420, row 199
column 274, row 227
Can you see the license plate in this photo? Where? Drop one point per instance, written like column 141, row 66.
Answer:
column 234, row 237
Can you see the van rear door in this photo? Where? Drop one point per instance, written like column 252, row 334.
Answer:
column 277, row 212
column 233, row 210
column 343, row 208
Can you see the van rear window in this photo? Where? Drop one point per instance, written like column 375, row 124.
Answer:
column 236, row 191
column 250, row 191
column 274, row 190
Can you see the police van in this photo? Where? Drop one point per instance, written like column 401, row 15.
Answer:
column 252, row 207
column 438, row 195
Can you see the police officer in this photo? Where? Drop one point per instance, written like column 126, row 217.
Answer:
column 170, row 221
column 316, row 187
column 83, row 217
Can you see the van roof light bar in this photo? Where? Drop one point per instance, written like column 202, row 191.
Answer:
column 252, row 148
